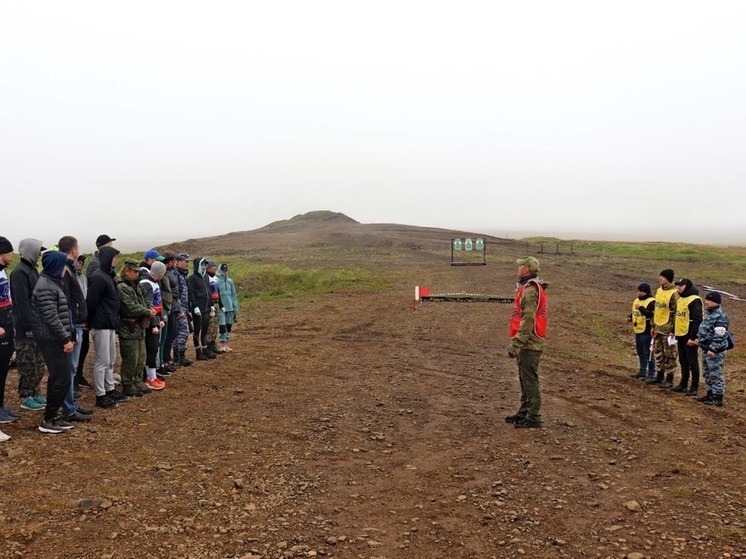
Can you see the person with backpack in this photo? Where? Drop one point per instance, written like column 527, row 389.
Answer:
column 713, row 338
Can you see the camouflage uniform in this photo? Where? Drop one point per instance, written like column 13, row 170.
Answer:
column 710, row 340
column 181, row 307
column 666, row 355
column 29, row 360
column 133, row 308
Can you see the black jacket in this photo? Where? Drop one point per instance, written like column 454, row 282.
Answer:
column 53, row 324
column 23, row 279
column 103, row 298
column 199, row 289
column 75, row 296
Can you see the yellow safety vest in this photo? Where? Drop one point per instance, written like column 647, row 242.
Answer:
column 662, row 299
column 638, row 319
column 681, row 325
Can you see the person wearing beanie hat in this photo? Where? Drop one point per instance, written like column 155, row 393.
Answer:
column 664, row 339
column 641, row 319
column 527, row 330
column 151, row 288
column 7, row 341
column 713, row 337
column 686, row 326
column 229, row 312
column 54, row 331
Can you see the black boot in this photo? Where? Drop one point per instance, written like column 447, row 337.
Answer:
column 668, row 383
column 693, row 390
column 679, row 388
column 209, row 352
column 716, row 400
column 657, row 380
column 184, row 361
column 201, row 355
column 706, row 397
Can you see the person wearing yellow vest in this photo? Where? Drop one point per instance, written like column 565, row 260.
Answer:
column 688, row 319
column 640, row 317
column 664, row 340
column 528, row 328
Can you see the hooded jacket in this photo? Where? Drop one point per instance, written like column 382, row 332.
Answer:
column 23, row 279
column 102, row 299
column 199, row 288
column 228, row 294
column 52, row 322
column 132, row 309
column 75, row 295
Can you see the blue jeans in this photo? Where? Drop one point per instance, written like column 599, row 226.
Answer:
column 69, row 406
column 647, row 365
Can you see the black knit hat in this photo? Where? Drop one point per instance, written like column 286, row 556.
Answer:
column 5, row 245
column 644, row 287
column 668, row 274
column 714, row 296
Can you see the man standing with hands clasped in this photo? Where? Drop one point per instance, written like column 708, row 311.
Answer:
column 528, row 326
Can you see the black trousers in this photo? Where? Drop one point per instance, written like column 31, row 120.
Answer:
column 7, row 347
column 688, row 359
column 58, row 378
column 201, row 324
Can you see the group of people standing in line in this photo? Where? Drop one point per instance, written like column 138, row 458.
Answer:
column 676, row 323
column 50, row 319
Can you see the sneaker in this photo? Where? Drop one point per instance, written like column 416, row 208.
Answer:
column 514, row 418
column 49, row 427
column 5, row 417
column 527, row 424
column 679, row 388
column 84, row 411
column 692, row 392
column 665, row 384
column 162, row 373
column 63, row 423
column 117, row 396
column 41, row 399
column 31, row 404
column 4, row 437
column 155, row 384
column 227, row 348
column 653, row 380
column 10, row 412
column 105, row 402
column 77, row 417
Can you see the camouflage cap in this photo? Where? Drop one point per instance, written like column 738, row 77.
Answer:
column 132, row 265
column 530, row 262
column 183, row 256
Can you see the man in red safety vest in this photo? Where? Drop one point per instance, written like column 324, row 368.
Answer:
column 528, row 328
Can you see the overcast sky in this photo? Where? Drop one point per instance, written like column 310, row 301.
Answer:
column 160, row 121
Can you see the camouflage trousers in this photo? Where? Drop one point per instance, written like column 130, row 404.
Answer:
column 182, row 334
column 31, row 367
column 712, row 369
column 666, row 356
column 212, row 329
